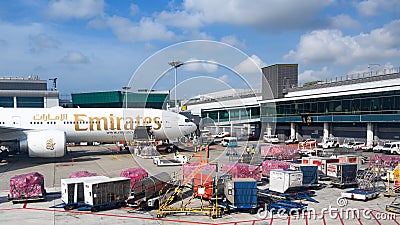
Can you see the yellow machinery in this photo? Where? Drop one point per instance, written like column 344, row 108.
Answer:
column 180, row 190
column 392, row 190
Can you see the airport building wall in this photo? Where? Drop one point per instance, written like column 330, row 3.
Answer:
column 363, row 106
column 119, row 99
column 26, row 92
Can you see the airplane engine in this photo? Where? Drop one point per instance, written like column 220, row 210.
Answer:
column 45, row 144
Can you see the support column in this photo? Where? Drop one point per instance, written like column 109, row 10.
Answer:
column 15, row 102
column 293, row 133
column 248, row 129
column 268, row 130
column 370, row 133
column 326, row 131
column 231, row 128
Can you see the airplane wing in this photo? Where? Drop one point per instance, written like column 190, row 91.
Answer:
column 4, row 130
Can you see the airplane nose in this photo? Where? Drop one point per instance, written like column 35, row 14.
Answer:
column 193, row 127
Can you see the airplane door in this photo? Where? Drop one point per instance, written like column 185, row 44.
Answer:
column 168, row 122
column 16, row 121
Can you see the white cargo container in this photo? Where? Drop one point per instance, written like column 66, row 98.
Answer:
column 107, row 193
column 281, row 180
column 322, row 162
column 72, row 188
column 350, row 159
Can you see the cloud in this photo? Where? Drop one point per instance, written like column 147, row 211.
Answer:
column 134, row 9
column 331, row 46
column 258, row 13
column 146, row 30
column 224, row 78
column 314, row 75
column 74, row 57
column 252, row 64
column 370, row 8
column 232, row 40
column 181, row 19
column 344, row 22
column 75, row 9
column 42, row 41
column 195, row 65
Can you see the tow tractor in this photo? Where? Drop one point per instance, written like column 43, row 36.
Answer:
column 360, row 194
column 394, row 207
column 176, row 161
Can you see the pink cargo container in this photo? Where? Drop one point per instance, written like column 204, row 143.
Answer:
column 191, row 169
column 135, row 174
column 279, row 152
column 255, row 172
column 28, row 186
column 268, row 165
column 237, row 170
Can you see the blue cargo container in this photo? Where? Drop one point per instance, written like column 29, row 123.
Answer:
column 310, row 173
column 241, row 193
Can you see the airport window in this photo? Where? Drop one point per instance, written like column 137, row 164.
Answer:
column 375, row 103
column 7, row 102
column 30, row 102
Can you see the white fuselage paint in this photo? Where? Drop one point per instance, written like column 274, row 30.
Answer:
column 92, row 124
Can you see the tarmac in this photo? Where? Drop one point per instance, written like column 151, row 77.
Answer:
column 106, row 160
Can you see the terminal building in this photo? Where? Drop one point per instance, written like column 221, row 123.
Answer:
column 363, row 106
column 26, row 92
column 119, row 99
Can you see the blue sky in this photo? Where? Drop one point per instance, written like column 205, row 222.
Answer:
column 95, row 45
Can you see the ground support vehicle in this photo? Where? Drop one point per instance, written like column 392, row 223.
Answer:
column 394, row 206
column 301, row 195
column 287, row 206
column 145, row 193
column 360, row 194
column 176, row 161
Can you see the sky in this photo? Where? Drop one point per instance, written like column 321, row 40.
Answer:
column 103, row 45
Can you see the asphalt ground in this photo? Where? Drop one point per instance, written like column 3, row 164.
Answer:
column 106, row 160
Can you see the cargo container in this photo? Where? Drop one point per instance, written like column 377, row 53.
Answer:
column 241, row 194
column 205, row 186
column 321, row 162
column 282, row 179
column 108, row 193
column 305, row 160
column 268, row 165
column 343, row 174
column 146, row 192
column 350, row 159
column 310, row 173
column 27, row 187
column 72, row 194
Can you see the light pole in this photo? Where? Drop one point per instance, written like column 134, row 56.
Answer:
column 176, row 64
column 126, row 88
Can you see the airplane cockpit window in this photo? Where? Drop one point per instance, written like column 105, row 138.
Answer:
column 187, row 120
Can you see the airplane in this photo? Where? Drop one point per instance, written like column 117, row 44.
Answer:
column 44, row 132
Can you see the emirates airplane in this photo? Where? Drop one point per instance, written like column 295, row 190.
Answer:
column 44, row 132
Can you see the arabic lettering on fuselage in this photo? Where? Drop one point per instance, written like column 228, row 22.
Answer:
column 47, row 117
column 114, row 122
